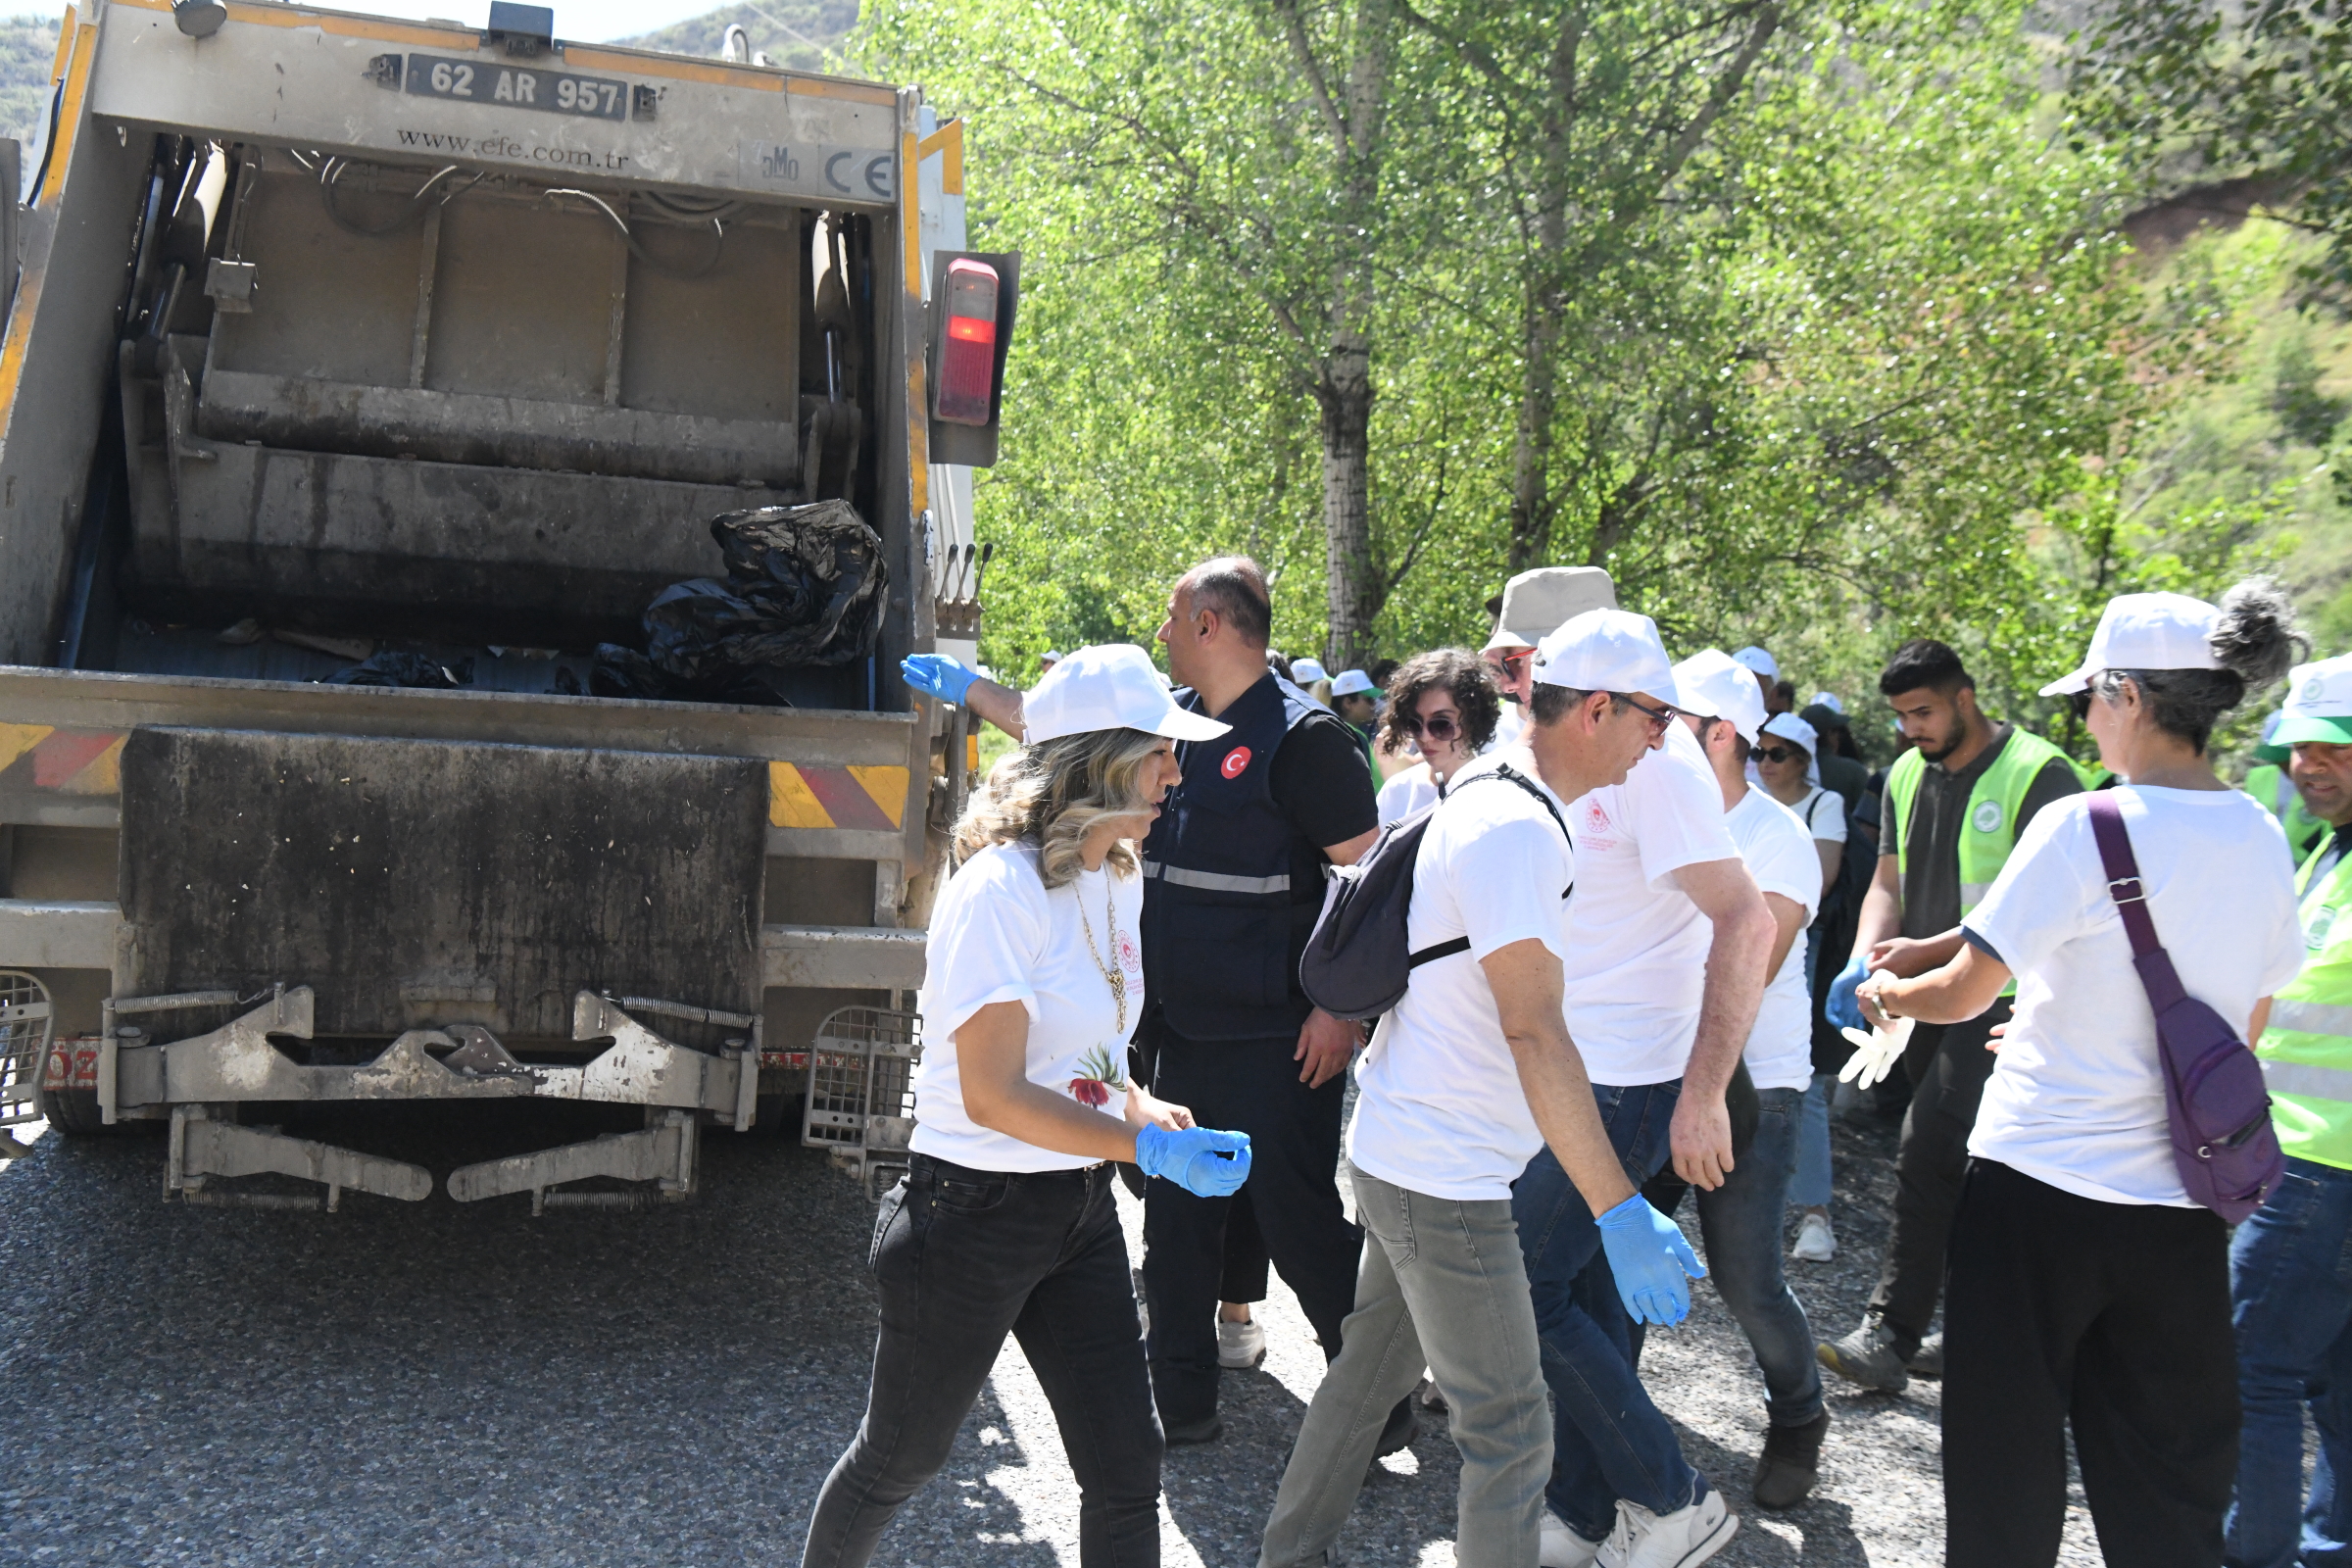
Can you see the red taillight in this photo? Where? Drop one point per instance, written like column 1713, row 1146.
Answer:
column 968, row 350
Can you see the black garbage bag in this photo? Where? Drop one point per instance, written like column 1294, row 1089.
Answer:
column 626, row 672
column 815, row 573
column 391, row 667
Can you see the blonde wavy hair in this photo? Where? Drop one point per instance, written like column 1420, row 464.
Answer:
column 1052, row 793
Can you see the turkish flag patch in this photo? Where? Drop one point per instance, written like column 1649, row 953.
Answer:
column 1235, row 761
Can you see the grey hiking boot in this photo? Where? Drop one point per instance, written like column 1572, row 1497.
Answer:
column 1928, row 1361
column 1867, row 1356
column 1790, row 1463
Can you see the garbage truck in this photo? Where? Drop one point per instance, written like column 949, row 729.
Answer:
column 362, row 384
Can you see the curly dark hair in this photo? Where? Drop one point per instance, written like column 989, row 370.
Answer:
column 1463, row 676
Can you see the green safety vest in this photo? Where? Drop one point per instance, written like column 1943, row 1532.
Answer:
column 1994, row 803
column 2306, row 1051
column 2271, row 785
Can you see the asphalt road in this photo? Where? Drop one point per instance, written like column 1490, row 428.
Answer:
column 434, row 1382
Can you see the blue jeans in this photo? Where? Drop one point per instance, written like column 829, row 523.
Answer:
column 1608, row 1440
column 2290, row 1295
column 1810, row 1185
column 1740, row 1222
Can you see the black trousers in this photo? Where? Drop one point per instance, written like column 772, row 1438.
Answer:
column 1248, row 1086
column 1929, row 1166
column 964, row 1259
column 2114, row 1318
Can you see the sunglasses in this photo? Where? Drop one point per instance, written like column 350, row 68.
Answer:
column 2079, row 701
column 1441, row 728
column 1659, row 718
column 1779, row 754
column 1511, row 664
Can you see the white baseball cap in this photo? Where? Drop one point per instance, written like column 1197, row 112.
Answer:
column 1790, row 727
column 1348, row 682
column 1714, row 685
column 2146, row 631
column 1752, row 657
column 1110, row 687
column 1308, row 671
column 1050, row 656
column 1829, row 700
column 1538, row 603
column 1606, row 651
column 2318, row 704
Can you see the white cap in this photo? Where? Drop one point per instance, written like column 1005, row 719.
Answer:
column 1606, row 651
column 1829, row 700
column 2146, row 631
column 1714, row 685
column 2318, row 704
column 1051, row 655
column 1348, row 682
column 1536, row 603
column 1790, row 727
column 1111, row 687
column 1752, row 657
column 1306, row 672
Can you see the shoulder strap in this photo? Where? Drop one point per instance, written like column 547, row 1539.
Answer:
column 2131, row 897
column 1453, row 945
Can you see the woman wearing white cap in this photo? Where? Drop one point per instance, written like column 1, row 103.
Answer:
column 2085, row 1282
column 1005, row 1224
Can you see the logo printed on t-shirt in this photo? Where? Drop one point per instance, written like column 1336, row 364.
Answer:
column 1987, row 818
column 1235, row 761
column 1130, row 960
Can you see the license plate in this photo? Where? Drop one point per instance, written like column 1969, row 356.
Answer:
column 554, row 92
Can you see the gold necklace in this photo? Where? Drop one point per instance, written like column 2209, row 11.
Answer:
column 1116, row 977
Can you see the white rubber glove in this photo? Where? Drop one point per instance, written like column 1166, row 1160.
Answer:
column 1875, row 1053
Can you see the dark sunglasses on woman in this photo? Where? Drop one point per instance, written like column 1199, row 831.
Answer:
column 1441, row 728
column 1779, row 754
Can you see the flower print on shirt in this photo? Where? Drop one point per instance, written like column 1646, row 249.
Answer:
column 1098, row 1075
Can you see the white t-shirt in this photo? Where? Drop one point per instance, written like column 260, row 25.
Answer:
column 997, row 935
column 1509, row 726
column 1637, row 945
column 1408, row 792
column 1823, row 815
column 1781, row 856
column 1439, row 1104
column 2076, row 1094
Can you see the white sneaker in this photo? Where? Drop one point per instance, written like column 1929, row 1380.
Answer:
column 1563, row 1547
column 1240, row 1346
column 1816, row 1243
column 1683, row 1539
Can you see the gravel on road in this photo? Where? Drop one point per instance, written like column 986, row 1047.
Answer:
column 466, row 1383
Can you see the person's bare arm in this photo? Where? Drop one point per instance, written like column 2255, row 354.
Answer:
column 1910, row 955
column 2260, row 1021
column 1832, row 856
column 1527, row 985
column 1000, row 705
column 1729, row 897
column 992, row 1058
column 1789, row 924
column 1882, row 914
column 1953, row 994
column 1326, row 1043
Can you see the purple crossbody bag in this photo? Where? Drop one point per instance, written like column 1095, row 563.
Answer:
column 2213, row 1094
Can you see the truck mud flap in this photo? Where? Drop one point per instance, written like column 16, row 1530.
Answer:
column 420, row 884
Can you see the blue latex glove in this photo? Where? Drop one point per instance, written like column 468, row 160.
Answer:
column 938, row 676
column 1840, row 1006
column 1195, row 1158
column 1650, row 1259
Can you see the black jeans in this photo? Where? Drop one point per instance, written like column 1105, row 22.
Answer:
column 2115, row 1318
column 1248, row 1086
column 964, row 1257
column 1929, row 1166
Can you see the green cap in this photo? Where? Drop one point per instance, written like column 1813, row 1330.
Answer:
column 2318, row 704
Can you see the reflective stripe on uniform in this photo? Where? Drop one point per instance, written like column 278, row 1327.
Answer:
column 2311, row 1017
column 2302, row 1078
column 1218, row 881
column 1972, row 893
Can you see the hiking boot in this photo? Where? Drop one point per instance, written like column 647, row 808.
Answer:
column 1240, row 1346
column 1683, row 1539
column 1203, row 1429
column 1790, row 1463
column 1816, row 1243
column 1400, row 1430
column 1928, row 1361
column 1563, row 1547
column 1867, row 1356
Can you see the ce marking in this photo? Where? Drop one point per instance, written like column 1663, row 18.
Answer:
column 876, row 173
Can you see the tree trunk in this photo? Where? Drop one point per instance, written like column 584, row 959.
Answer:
column 1531, row 503
column 1343, row 392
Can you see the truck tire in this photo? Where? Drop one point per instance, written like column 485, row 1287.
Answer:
column 74, row 1113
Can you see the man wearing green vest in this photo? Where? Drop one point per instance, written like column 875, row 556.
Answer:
column 2269, row 783
column 2290, row 1271
column 1956, row 803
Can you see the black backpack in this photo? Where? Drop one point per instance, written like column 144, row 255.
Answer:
column 1359, row 960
